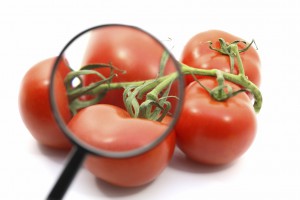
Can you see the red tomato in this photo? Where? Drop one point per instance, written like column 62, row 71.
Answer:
column 133, row 52
column 215, row 132
column 34, row 104
column 111, row 128
column 197, row 54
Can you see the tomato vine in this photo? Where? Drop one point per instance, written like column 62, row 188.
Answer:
column 156, row 105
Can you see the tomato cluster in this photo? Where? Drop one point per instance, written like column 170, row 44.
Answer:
column 208, row 131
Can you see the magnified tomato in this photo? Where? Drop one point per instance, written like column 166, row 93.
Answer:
column 111, row 128
column 134, row 53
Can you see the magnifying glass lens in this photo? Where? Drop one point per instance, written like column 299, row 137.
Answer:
column 116, row 92
column 123, row 91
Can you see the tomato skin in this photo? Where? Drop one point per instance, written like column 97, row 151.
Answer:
column 197, row 54
column 131, row 51
column 34, row 104
column 212, row 132
column 111, row 128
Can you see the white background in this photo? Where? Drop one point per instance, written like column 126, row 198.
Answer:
column 34, row 30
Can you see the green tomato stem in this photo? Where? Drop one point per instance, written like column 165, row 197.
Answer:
column 164, row 81
column 239, row 79
column 235, row 50
column 162, row 85
column 153, row 87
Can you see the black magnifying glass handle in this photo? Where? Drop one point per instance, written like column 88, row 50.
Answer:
column 77, row 156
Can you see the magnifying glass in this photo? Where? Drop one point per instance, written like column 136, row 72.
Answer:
column 123, row 90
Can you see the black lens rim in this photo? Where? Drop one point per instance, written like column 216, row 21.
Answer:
column 104, row 153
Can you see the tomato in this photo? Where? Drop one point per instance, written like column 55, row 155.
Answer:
column 197, row 54
column 215, row 132
column 34, row 103
column 136, row 55
column 109, row 127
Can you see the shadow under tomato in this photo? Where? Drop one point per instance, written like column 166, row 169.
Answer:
column 182, row 163
column 114, row 191
column 56, row 155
